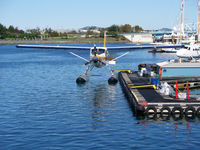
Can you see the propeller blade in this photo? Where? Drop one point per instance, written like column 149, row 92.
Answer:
column 88, row 62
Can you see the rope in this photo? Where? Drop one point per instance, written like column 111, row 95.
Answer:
column 183, row 90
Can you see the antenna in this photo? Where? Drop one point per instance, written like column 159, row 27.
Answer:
column 105, row 38
column 198, row 32
column 182, row 19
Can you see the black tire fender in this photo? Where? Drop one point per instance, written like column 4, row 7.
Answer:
column 189, row 108
column 165, row 108
column 151, row 108
column 198, row 112
column 177, row 108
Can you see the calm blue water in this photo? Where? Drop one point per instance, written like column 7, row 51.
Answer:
column 41, row 106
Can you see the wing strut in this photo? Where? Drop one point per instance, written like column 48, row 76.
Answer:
column 120, row 56
column 79, row 56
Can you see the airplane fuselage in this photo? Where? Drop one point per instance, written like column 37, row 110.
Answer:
column 98, row 56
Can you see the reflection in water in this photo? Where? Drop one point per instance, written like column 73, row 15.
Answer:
column 101, row 97
column 187, row 129
column 177, row 128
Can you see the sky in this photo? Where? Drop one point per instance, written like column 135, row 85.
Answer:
column 75, row 14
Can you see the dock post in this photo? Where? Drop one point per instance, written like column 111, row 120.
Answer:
column 187, row 90
column 160, row 73
column 176, row 90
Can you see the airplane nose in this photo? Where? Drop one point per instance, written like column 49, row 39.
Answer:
column 95, row 59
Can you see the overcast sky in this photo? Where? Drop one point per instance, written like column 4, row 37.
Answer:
column 74, row 14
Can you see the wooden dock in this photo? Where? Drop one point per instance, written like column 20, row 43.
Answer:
column 145, row 99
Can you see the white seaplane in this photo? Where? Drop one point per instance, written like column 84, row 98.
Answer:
column 99, row 56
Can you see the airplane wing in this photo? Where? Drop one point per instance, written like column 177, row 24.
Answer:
column 132, row 47
column 53, row 47
column 148, row 46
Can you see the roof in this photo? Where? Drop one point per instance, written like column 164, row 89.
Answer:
column 168, row 64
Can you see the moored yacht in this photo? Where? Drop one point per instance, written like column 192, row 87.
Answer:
column 190, row 51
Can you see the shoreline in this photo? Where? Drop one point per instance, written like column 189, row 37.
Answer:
column 13, row 42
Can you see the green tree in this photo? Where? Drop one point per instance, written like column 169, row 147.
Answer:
column 54, row 34
column 64, row 35
column 137, row 28
column 113, row 31
column 2, row 32
column 11, row 29
column 21, row 31
column 113, row 28
column 48, row 31
column 33, row 33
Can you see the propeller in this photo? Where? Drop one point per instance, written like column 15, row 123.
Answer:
column 88, row 62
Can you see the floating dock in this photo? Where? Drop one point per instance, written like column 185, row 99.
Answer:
column 145, row 99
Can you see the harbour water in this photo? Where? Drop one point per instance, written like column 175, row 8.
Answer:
column 42, row 107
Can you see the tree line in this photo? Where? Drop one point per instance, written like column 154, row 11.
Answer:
column 114, row 30
column 14, row 33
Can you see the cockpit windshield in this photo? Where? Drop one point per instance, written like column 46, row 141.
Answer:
column 98, row 51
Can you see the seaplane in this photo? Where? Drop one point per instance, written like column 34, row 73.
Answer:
column 99, row 56
column 191, row 51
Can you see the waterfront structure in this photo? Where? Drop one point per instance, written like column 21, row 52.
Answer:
column 147, row 100
column 179, row 68
column 139, row 37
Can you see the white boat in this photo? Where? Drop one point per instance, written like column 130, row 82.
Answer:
column 170, row 50
column 191, row 51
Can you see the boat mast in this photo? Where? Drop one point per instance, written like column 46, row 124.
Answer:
column 198, row 30
column 193, row 27
column 182, row 19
